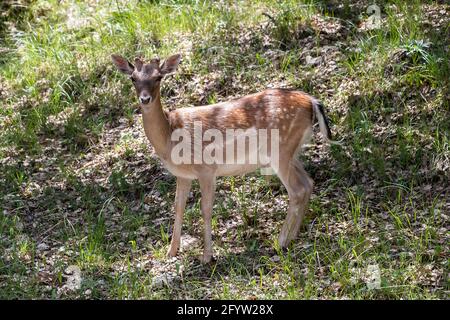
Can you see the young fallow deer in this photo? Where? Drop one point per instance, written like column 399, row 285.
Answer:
column 291, row 113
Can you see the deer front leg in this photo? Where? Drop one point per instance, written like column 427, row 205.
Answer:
column 207, row 188
column 182, row 192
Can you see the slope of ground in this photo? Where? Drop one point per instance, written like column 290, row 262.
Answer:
column 86, row 207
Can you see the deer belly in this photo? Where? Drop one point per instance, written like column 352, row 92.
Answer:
column 235, row 169
column 182, row 171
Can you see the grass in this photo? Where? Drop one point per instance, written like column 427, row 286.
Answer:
column 79, row 184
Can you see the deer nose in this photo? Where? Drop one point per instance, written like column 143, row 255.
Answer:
column 145, row 99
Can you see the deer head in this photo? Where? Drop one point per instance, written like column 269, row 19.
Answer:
column 146, row 77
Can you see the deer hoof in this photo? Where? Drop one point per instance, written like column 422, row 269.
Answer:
column 283, row 242
column 205, row 258
column 172, row 252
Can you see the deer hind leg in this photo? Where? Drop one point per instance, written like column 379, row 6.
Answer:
column 182, row 192
column 299, row 186
column 207, row 188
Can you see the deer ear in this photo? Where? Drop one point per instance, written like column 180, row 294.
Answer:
column 122, row 64
column 170, row 65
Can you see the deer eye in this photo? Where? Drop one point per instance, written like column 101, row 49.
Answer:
column 133, row 79
column 158, row 79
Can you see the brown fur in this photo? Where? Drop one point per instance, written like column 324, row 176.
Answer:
column 249, row 111
column 287, row 110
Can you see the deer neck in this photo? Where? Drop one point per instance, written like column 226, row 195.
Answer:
column 156, row 127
